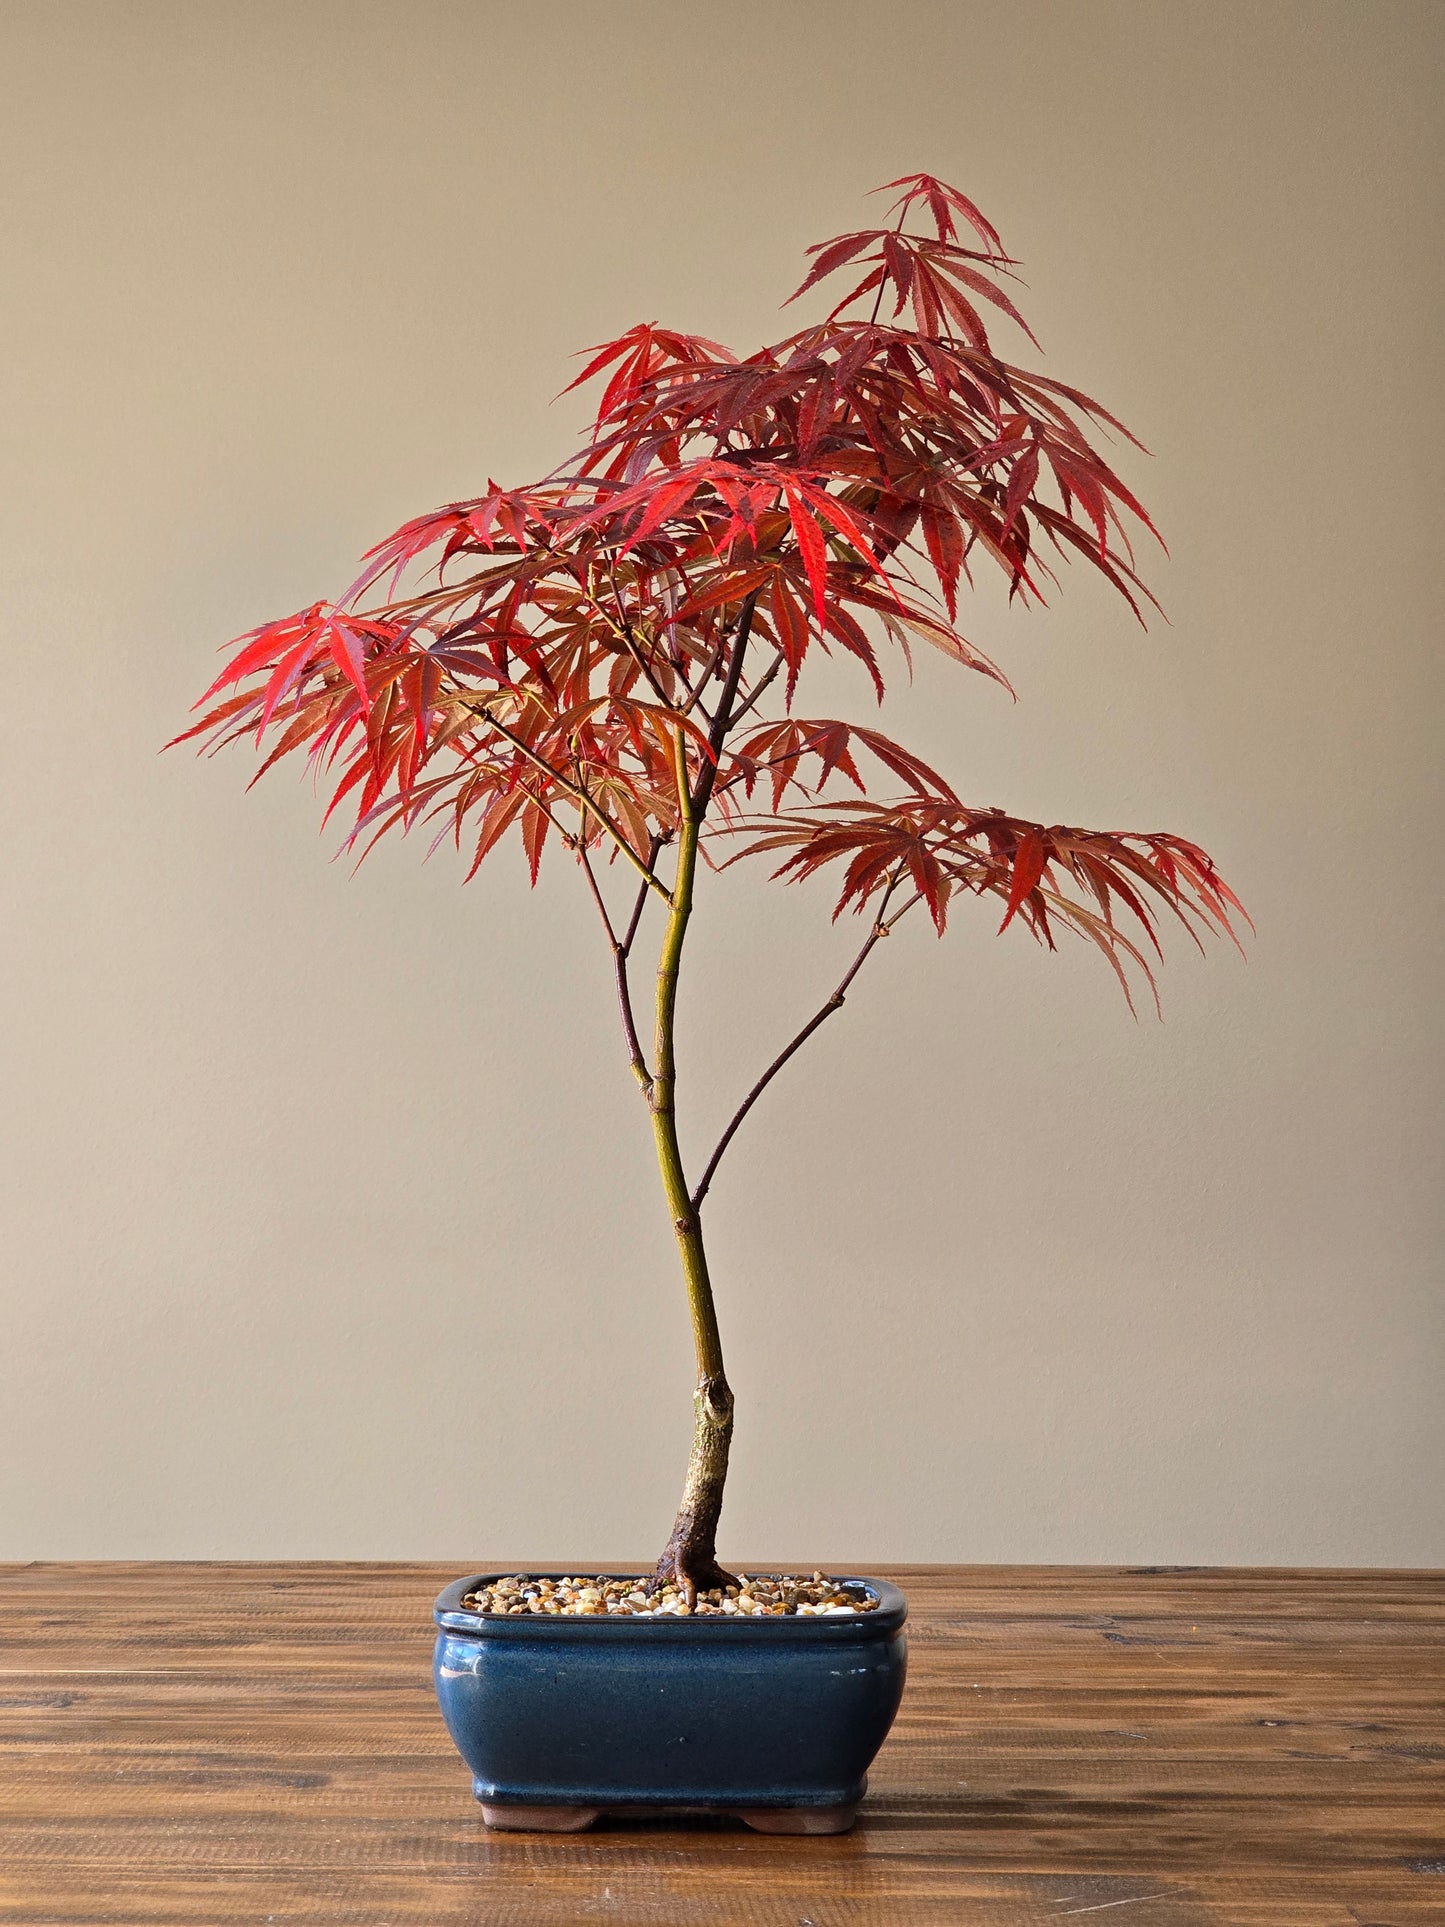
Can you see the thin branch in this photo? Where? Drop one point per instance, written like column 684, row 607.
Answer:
column 673, row 653
column 621, row 952
column 694, row 699
column 578, row 794
column 770, row 762
column 622, row 627
column 881, row 928
column 636, row 918
column 723, row 719
column 619, row 947
column 629, row 1022
column 755, row 694
column 580, row 844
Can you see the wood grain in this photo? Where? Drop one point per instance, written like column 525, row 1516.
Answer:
column 219, row 1744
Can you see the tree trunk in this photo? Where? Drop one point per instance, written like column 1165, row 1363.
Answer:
column 689, row 1560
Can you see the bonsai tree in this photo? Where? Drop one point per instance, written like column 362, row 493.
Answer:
column 612, row 659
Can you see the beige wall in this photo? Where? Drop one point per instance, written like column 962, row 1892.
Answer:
column 329, row 1223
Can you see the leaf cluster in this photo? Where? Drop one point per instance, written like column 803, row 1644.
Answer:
column 619, row 647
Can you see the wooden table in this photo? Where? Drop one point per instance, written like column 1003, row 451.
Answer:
column 217, row 1744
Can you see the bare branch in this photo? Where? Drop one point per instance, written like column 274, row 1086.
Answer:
column 723, row 718
column 694, row 699
column 755, row 694
column 629, row 1022
column 580, row 845
column 881, row 928
column 618, row 947
column 635, row 919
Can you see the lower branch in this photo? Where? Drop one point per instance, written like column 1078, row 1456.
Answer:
column 629, row 1022
column 835, row 1002
column 880, row 929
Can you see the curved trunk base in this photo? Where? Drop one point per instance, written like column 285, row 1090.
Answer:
column 689, row 1559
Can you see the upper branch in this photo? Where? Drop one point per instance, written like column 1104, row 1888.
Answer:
column 635, row 919
column 755, row 694
column 580, row 845
column 578, row 794
column 723, row 718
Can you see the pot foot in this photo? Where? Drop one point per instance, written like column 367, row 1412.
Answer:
column 539, row 1819
column 801, row 1819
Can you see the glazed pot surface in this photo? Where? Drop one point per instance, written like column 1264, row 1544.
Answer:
column 725, row 1713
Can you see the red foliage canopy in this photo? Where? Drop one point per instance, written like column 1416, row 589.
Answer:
column 621, row 643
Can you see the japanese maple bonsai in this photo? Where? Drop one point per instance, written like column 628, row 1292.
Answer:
column 612, row 658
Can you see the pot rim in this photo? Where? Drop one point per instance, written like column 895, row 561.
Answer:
column 881, row 1623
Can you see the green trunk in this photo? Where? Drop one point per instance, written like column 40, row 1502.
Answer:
column 690, row 1557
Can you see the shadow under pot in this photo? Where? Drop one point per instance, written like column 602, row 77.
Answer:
column 563, row 1718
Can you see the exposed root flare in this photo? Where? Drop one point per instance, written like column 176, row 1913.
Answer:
column 688, row 1579
column 689, row 1559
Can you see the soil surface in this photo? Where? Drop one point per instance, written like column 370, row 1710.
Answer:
column 756, row 1596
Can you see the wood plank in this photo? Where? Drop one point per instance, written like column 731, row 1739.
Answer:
column 217, row 1744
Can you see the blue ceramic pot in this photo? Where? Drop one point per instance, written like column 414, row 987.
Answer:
column 562, row 1718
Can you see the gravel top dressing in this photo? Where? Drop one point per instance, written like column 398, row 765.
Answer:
column 762, row 1596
